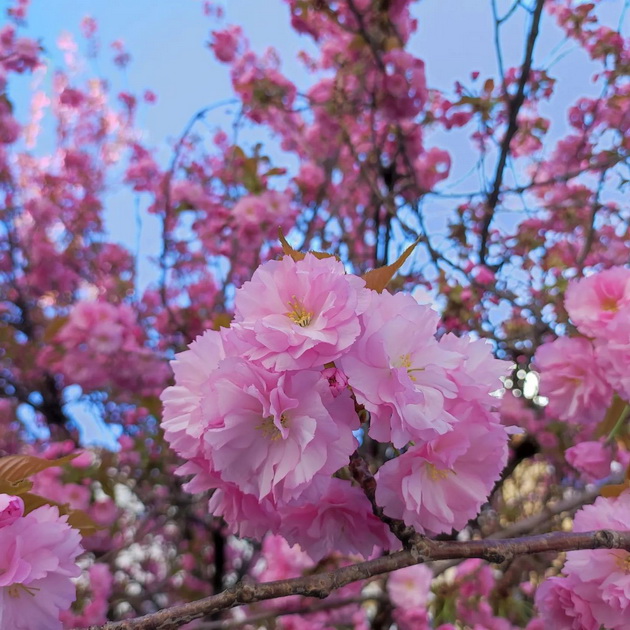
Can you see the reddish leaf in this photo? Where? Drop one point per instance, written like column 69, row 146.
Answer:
column 19, row 467
column 378, row 279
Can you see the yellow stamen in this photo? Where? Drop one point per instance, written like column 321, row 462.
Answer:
column 269, row 428
column 404, row 361
column 610, row 304
column 623, row 561
column 14, row 590
column 298, row 313
column 436, row 473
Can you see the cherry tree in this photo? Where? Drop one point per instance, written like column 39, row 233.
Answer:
column 357, row 393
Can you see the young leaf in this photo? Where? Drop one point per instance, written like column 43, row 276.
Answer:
column 612, row 491
column 378, row 279
column 222, row 320
column 15, row 488
column 289, row 251
column 18, row 467
column 76, row 518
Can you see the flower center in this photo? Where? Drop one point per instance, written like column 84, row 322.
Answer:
column 610, row 304
column 436, row 474
column 623, row 561
column 404, row 361
column 14, row 590
column 298, row 313
column 269, row 428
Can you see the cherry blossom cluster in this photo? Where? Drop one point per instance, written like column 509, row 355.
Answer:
column 358, row 166
column 102, row 345
column 265, row 412
column 580, row 374
column 593, row 593
column 37, row 564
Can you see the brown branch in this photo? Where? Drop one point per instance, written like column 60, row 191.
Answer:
column 549, row 512
column 532, row 523
column 514, row 107
column 321, row 585
column 590, row 231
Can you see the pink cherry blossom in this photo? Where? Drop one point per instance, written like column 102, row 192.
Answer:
column 271, row 433
column 441, row 485
column 182, row 420
column 601, row 578
column 591, row 458
column 103, row 346
column 94, row 611
column 334, row 515
column 37, row 563
column 337, row 380
column 475, row 581
column 102, row 326
column 570, row 377
column 296, row 315
column 612, row 351
column 562, row 607
column 244, row 514
column 11, row 509
column 397, row 370
column 255, row 215
column 431, row 167
column 282, row 560
column 225, row 43
column 409, row 587
column 411, row 619
column 478, row 373
column 592, row 302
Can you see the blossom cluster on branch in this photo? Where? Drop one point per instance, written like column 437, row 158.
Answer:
column 323, row 436
column 265, row 411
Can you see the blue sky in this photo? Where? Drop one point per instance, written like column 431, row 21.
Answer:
column 167, row 40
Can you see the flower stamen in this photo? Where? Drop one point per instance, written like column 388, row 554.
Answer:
column 436, row 474
column 269, row 428
column 298, row 313
column 14, row 590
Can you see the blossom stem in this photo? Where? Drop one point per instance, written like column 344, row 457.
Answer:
column 620, row 422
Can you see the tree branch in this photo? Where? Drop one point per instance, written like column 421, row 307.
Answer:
column 527, row 525
column 514, row 106
column 320, row 585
